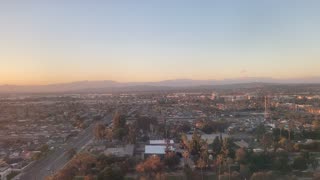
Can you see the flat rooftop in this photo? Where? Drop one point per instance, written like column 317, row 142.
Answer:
column 160, row 142
column 156, row 149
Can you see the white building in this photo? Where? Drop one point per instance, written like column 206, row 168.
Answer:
column 159, row 150
column 158, row 147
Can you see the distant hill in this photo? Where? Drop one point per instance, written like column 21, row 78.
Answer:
column 140, row 86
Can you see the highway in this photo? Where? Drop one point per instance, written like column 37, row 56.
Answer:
column 57, row 159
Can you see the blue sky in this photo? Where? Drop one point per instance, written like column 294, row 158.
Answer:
column 62, row 41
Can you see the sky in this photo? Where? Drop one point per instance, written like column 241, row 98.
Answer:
column 44, row 42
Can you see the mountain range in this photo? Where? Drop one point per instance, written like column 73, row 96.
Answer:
column 108, row 85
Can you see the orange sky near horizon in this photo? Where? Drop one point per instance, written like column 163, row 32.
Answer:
column 65, row 41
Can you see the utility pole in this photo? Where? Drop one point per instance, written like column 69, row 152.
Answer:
column 265, row 108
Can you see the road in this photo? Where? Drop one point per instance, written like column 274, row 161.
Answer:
column 57, row 159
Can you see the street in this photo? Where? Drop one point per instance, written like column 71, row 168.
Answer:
column 57, row 159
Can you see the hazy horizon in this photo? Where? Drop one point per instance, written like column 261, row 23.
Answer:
column 185, row 81
column 60, row 42
column 236, row 80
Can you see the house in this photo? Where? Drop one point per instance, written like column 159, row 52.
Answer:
column 158, row 147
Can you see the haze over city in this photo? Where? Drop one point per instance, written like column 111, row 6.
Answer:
column 45, row 42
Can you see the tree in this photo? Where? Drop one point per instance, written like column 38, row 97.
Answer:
column 188, row 172
column 201, row 163
column 66, row 173
column 300, row 163
column 109, row 134
column 284, row 142
column 261, row 176
column 216, row 145
column 184, row 141
column 119, row 133
column 244, row 171
column 314, row 163
column 214, row 126
column 241, row 155
column 260, row 131
column 99, row 131
column 119, row 129
column 103, row 160
column 227, row 149
column 195, row 144
column 280, row 162
column 89, row 177
column 266, row 141
column 44, row 148
column 171, row 160
column 306, row 156
column 145, row 123
column 131, row 138
column 219, row 162
column 36, row 156
column 207, row 129
column 71, row 153
column 84, row 163
column 259, row 162
column 185, row 127
column 296, row 147
column 127, row 164
column 113, row 173
column 118, row 121
column 235, row 175
column 316, row 124
column 151, row 167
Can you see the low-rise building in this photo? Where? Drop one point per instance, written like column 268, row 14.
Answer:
column 159, row 150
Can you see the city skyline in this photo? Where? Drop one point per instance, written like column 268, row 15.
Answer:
column 60, row 42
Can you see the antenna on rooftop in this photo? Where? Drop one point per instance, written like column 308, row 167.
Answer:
column 167, row 146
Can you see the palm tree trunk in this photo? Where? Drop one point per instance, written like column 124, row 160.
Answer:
column 201, row 174
column 219, row 171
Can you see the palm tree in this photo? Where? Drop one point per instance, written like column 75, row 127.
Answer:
column 291, row 126
column 201, row 163
column 220, row 160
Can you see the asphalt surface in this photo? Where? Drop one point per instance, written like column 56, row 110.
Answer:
column 57, row 159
